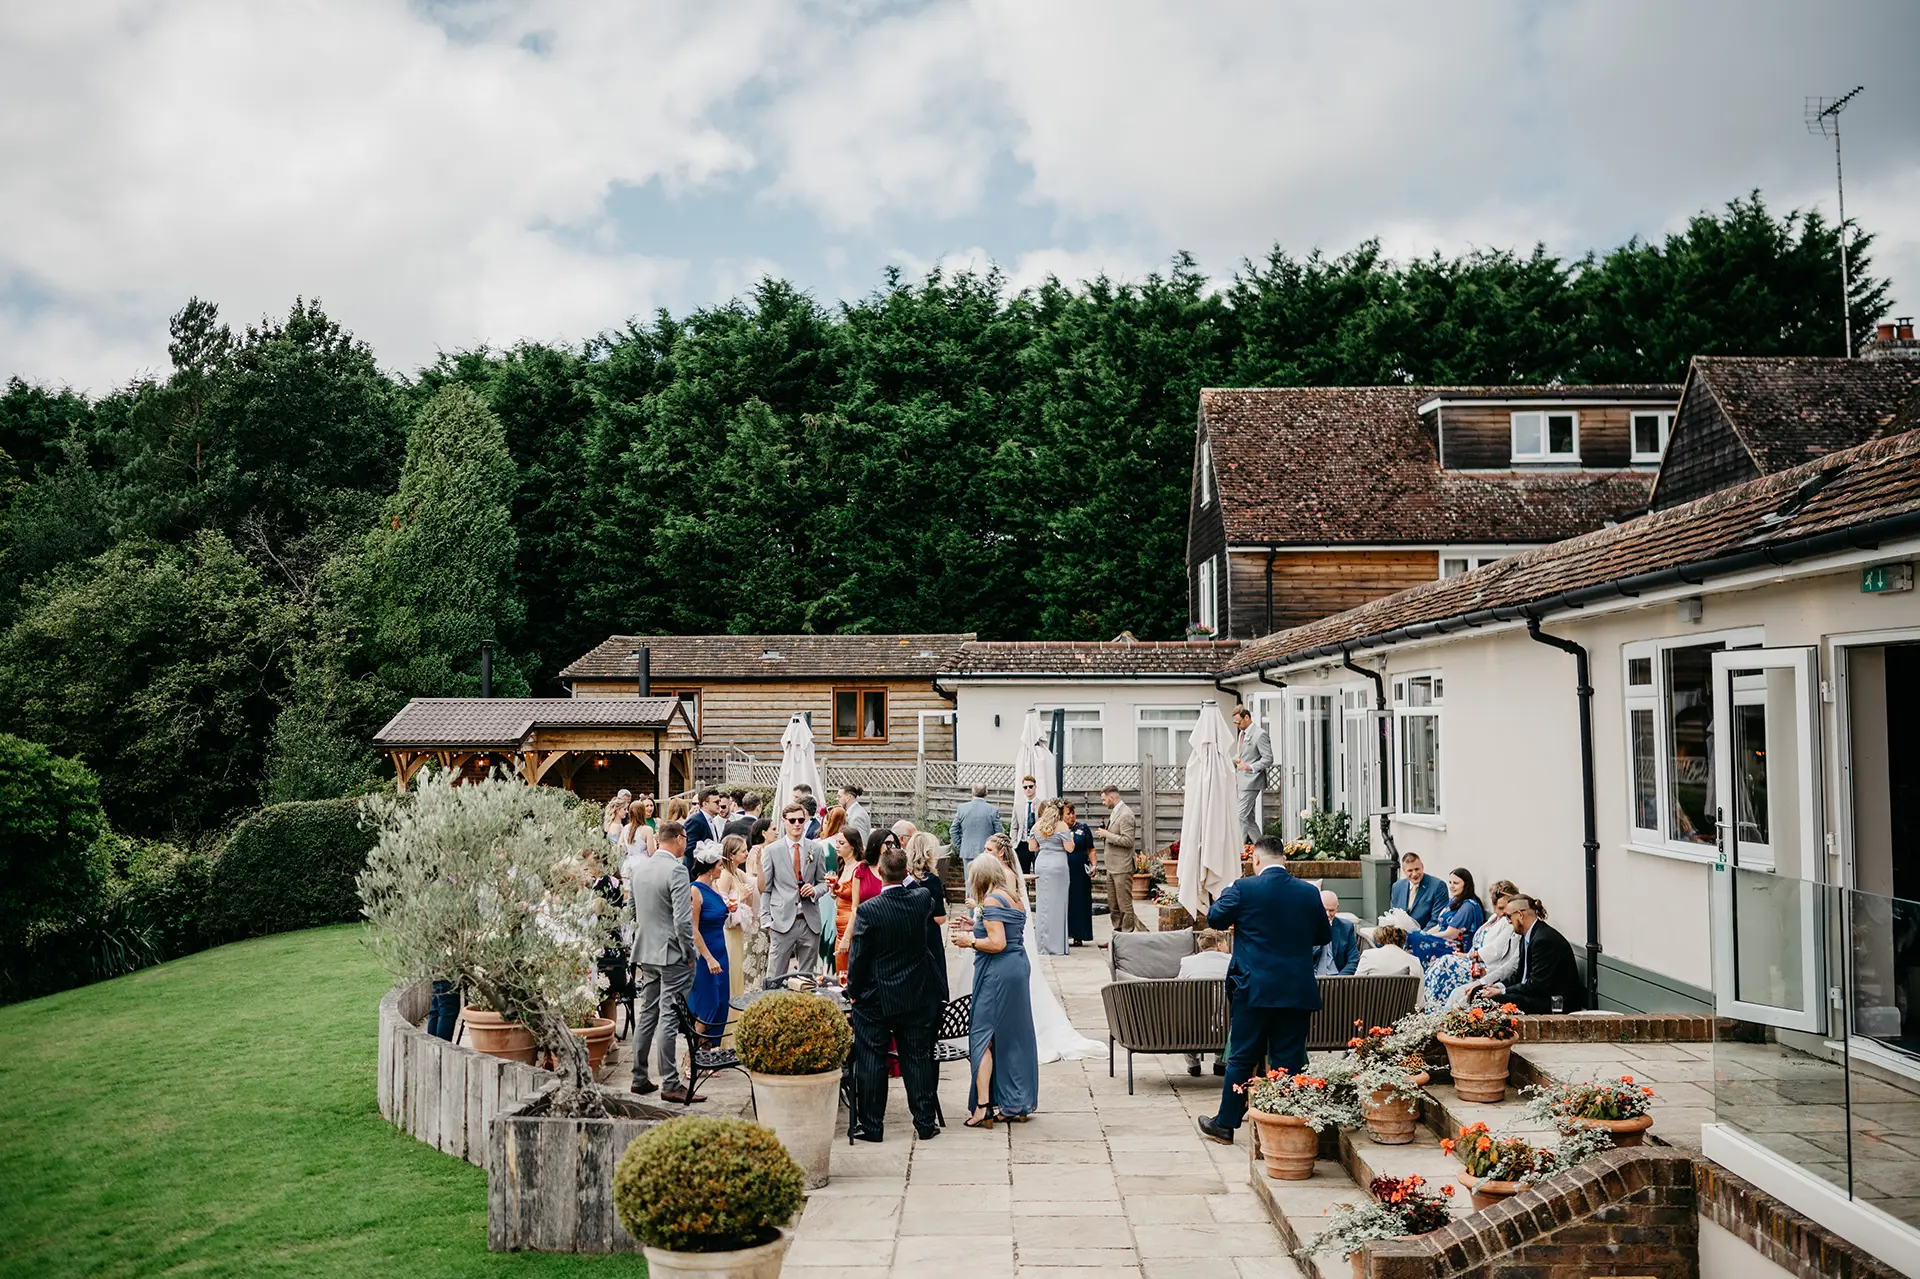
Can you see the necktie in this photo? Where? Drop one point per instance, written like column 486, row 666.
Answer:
column 796, row 865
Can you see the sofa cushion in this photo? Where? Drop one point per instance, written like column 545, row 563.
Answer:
column 1150, row 955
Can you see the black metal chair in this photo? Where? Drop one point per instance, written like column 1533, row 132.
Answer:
column 705, row 1057
column 952, row 1041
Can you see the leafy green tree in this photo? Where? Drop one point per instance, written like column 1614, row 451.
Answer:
column 50, row 829
column 161, row 668
column 34, row 421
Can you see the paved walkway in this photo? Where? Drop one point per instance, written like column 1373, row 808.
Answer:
column 1098, row 1183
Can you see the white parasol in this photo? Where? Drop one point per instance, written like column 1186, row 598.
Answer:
column 797, row 764
column 1210, row 816
column 1031, row 759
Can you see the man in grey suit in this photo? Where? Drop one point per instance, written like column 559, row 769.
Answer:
column 792, row 872
column 973, row 821
column 1252, row 755
column 1120, row 834
column 664, row 952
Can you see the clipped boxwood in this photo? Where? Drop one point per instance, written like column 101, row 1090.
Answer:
column 290, row 866
column 792, row 1033
column 701, row 1184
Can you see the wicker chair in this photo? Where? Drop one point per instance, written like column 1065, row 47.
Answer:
column 1172, row 1015
column 1377, row 1001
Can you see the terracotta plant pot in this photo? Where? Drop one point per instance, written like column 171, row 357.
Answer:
column 1142, row 887
column 494, row 1035
column 1287, row 1144
column 762, row 1262
column 800, row 1109
column 1626, row 1132
column 1172, row 869
column 598, row 1034
column 1488, row 1193
column 1479, row 1066
column 1391, row 1118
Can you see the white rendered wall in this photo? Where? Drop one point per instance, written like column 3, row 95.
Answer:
column 1725, row 1255
column 980, row 740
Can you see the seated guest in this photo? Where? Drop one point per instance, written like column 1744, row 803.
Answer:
column 1209, row 961
column 1419, row 894
column 1388, row 956
column 1456, row 922
column 1547, row 970
column 1492, row 955
column 1341, row 956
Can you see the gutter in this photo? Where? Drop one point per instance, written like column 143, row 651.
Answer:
column 1385, row 757
column 1221, row 685
column 1583, row 689
column 1866, row 536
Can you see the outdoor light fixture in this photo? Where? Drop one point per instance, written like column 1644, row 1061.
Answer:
column 1689, row 609
column 600, row 762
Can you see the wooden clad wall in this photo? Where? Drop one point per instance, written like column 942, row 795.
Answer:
column 1206, row 539
column 752, row 715
column 1704, row 454
column 1314, row 584
column 1477, row 437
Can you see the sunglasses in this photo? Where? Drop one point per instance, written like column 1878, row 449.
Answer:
column 792, row 820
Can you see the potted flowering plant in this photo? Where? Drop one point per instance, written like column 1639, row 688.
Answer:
column 1496, row 1167
column 1400, row 1206
column 1479, row 1041
column 793, row 1046
column 709, row 1197
column 1290, row 1112
column 1386, row 1077
column 1621, row 1108
column 1143, row 877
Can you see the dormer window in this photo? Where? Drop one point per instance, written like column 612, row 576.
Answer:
column 1546, row 437
column 1650, row 432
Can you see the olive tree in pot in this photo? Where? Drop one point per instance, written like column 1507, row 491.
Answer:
column 793, row 1046
column 710, row 1197
column 490, row 885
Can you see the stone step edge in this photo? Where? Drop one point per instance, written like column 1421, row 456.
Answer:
column 1325, row 1266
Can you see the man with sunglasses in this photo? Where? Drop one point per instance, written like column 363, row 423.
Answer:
column 792, row 873
column 1025, row 809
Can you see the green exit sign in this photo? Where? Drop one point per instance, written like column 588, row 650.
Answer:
column 1886, row 577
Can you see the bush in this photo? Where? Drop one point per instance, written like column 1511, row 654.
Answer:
column 788, row 1033
column 50, row 830
column 162, row 891
column 699, row 1184
column 290, row 866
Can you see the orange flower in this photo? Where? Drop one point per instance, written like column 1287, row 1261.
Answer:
column 1416, row 1180
column 1354, row 1042
column 1646, row 1092
column 1446, row 1146
column 1509, row 1008
column 1447, row 1190
column 1485, row 1143
column 1359, row 1021
column 1626, row 1079
column 1477, row 1015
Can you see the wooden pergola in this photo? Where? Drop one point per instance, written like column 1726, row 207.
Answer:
column 546, row 741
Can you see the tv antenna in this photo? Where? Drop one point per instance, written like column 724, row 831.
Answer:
column 1823, row 118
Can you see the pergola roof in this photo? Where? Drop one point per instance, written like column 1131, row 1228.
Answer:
column 509, row 721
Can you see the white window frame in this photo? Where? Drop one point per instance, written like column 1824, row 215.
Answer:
column 1208, row 590
column 1545, row 453
column 1653, row 697
column 1206, row 474
column 1468, row 563
column 1098, row 724
column 1403, row 711
column 1140, row 721
column 1633, row 442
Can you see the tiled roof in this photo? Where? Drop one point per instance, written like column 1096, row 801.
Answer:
column 1790, row 410
column 1839, row 491
column 1315, row 465
column 1121, row 658
column 506, row 721
column 732, row 657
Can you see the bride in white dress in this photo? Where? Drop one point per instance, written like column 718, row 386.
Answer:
column 1053, row 1034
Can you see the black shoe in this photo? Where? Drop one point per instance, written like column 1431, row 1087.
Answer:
column 1076, row 943
column 1193, row 1068
column 926, row 1134
column 644, row 1087
column 1219, row 1068
column 1213, row 1131
column 869, row 1134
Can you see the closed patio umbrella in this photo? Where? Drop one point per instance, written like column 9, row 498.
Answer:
column 1209, row 817
column 1031, row 759
column 797, row 764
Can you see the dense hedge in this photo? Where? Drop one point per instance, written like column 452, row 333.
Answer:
column 290, row 866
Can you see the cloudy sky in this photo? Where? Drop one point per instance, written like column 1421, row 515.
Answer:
column 446, row 174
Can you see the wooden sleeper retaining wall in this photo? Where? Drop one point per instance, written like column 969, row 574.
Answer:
column 445, row 1094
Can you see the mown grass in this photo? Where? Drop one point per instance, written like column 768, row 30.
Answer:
column 216, row 1116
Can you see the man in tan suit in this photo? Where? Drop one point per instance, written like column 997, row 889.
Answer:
column 1120, row 834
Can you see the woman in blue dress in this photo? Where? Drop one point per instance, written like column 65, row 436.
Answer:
column 1053, row 884
column 712, row 985
column 1001, row 1047
column 1453, row 970
column 1455, row 924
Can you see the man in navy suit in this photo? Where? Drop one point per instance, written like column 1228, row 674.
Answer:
column 1277, row 921
column 703, row 825
column 1419, row 894
column 1340, row 956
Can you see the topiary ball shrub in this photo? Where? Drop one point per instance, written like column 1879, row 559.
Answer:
column 700, row 1184
column 290, row 866
column 790, row 1033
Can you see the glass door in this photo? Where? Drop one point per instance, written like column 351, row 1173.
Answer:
column 1359, row 738
column 1312, row 766
column 1763, row 740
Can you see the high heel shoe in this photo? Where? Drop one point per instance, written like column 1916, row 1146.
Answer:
column 980, row 1121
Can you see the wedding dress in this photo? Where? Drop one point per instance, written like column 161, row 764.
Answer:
column 1053, row 1034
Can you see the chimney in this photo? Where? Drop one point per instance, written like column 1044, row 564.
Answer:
column 486, row 668
column 643, row 665
column 1892, row 341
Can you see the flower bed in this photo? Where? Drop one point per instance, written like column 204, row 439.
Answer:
column 1400, row 1206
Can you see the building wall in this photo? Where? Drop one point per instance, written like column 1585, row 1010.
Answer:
column 1314, row 584
column 753, row 714
column 982, row 741
column 1480, row 437
column 1703, row 455
column 1206, row 539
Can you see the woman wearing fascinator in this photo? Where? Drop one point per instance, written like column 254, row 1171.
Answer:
column 711, row 984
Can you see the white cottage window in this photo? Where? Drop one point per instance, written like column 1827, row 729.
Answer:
column 1417, row 702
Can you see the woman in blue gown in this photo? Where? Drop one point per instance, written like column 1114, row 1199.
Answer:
column 712, row 985
column 1001, row 1048
column 1453, row 926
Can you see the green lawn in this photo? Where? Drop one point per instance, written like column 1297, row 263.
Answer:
column 216, row 1116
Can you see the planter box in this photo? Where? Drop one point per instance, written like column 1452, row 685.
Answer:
column 550, row 1181
column 1309, row 868
column 445, row 1094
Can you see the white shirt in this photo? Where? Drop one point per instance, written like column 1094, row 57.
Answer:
column 1388, row 961
column 1206, row 963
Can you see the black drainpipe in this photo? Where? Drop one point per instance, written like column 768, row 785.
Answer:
column 1237, row 699
column 1584, row 688
column 1385, row 756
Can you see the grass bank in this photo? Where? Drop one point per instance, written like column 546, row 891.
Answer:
column 216, row 1116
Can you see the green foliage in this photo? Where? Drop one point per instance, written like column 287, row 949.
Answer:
column 50, row 827
column 702, row 1184
column 159, row 666
column 290, row 866
column 792, row 1033
column 1332, row 836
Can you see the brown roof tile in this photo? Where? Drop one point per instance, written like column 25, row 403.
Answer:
column 1120, row 658
column 1870, row 482
column 505, row 721
column 1313, row 465
column 735, row 657
column 1790, row 410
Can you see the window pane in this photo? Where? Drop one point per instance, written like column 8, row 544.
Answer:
column 1640, row 671
column 1560, row 433
column 1151, row 741
column 846, row 714
column 1170, row 714
column 1689, row 708
column 875, row 724
column 1420, row 771
column 1451, row 567
column 1646, row 796
column 1646, row 433
column 1420, row 691
column 1084, row 744
column 1526, row 434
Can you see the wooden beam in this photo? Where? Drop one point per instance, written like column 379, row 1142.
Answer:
column 546, row 765
column 530, row 769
